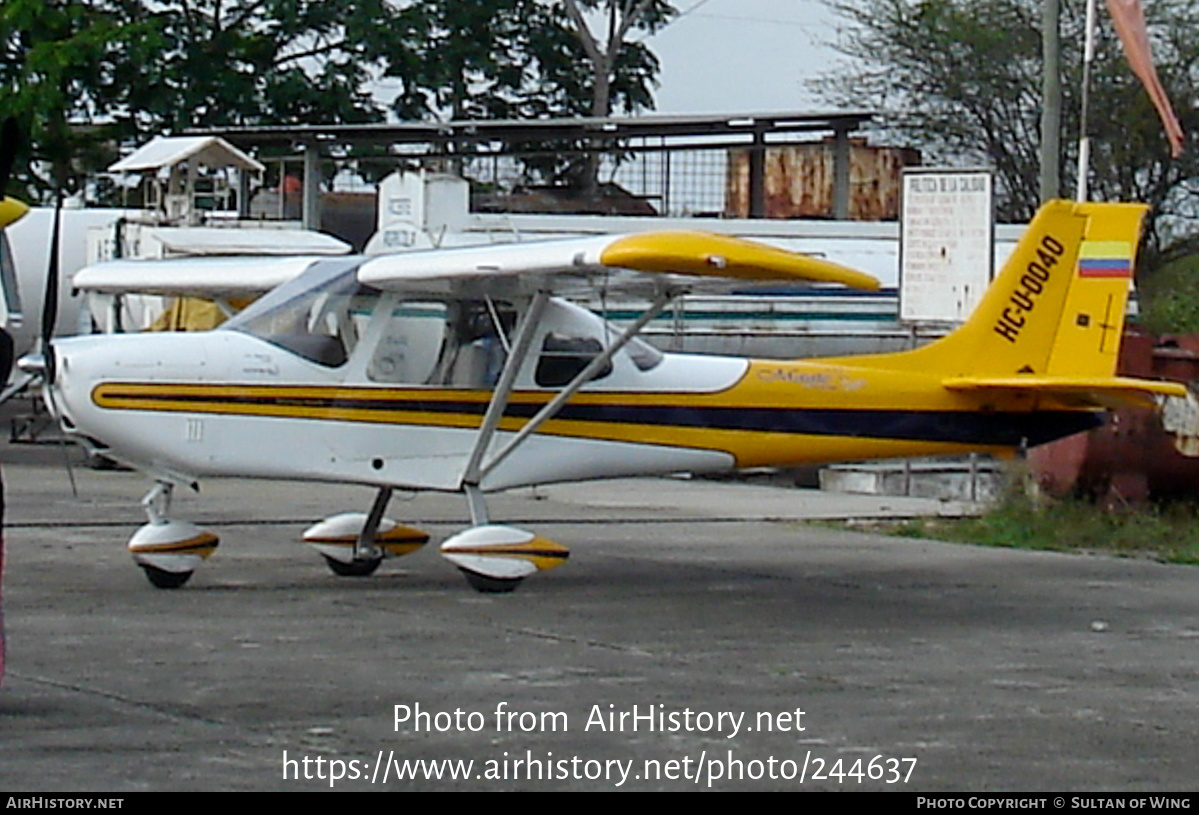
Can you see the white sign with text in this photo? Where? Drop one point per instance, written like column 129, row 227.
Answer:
column 947, row 240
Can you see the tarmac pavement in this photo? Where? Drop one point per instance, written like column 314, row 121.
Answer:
column 930, row 666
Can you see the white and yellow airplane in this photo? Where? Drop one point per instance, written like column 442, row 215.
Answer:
column 465, row 371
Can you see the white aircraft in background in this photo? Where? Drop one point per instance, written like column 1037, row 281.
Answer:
column 464, row 370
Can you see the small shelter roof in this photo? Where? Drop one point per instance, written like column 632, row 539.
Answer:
column 167, row 151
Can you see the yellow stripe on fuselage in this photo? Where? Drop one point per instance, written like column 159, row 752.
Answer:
column 778, row 413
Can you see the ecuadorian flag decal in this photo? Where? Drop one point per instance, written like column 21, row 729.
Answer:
column 1105, row 259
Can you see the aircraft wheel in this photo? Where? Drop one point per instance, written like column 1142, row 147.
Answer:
column 162, row 579
column 355, row 568
column 491, row 585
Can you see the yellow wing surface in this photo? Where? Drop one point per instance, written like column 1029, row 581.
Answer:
column 705, row 254
column 686, row 260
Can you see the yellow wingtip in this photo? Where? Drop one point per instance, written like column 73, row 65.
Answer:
column 711, row 255
column 11, row 211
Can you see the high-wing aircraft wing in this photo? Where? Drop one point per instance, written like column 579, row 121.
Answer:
column 690, row 261
column 203, row 291
column 195, row 277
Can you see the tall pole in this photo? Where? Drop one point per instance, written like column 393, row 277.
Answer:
column 1051, row 99
column 1084, row 139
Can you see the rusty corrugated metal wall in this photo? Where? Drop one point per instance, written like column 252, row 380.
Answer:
column 799, row 181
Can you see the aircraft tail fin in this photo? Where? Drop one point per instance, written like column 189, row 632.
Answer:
column 1057, row 307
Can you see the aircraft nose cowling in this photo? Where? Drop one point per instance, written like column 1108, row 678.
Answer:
column 84, row 363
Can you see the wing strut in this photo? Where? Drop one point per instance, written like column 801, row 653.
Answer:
column 582, row 378
column 503, row 389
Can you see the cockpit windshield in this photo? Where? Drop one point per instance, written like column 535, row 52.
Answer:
column 319, row 316
column 437, row 341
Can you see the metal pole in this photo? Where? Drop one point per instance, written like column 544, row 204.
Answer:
column 757, row 175
column 841, row 174
column 1051, row 99
column 311, row 213
column 503, row 388
column 1084, row 140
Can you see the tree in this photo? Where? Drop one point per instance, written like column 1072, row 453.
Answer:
column 87, row 75
column 960, row 79
column 65, row 63
column 250, row 62
column 621, row 70
column 526, row 58
column 530, row 59
column 470, row 59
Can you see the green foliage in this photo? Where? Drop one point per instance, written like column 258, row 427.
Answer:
column 62, row 62
column 622, row 68
column 1169, row 298
column 83, row 76
column 954, row 78
column 254, row 62
column 596, row 69
column 960, row 79
column 1169, row 533
column 470, row 59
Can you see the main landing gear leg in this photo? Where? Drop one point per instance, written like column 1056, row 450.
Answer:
column 168, row 551
column 354, row 544
column 495, row 559
column 367, row 556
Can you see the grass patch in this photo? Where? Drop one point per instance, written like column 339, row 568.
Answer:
column 1168, row 533
column 1169, row 298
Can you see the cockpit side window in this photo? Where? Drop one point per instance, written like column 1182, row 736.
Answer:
column 574, row 336
column 476, row 342
column 407, row 351
column 563, row 357
column 452, row 343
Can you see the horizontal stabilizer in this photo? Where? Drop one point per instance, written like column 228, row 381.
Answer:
column 1082, row 391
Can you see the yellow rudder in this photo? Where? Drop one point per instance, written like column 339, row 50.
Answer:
column 1088, row 341
column 1056, row 308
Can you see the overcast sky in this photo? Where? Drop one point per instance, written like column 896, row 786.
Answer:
column 743, row 56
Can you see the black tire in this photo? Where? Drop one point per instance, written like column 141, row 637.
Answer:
column 491, row 585
column 355, row 568
column 162, row 579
